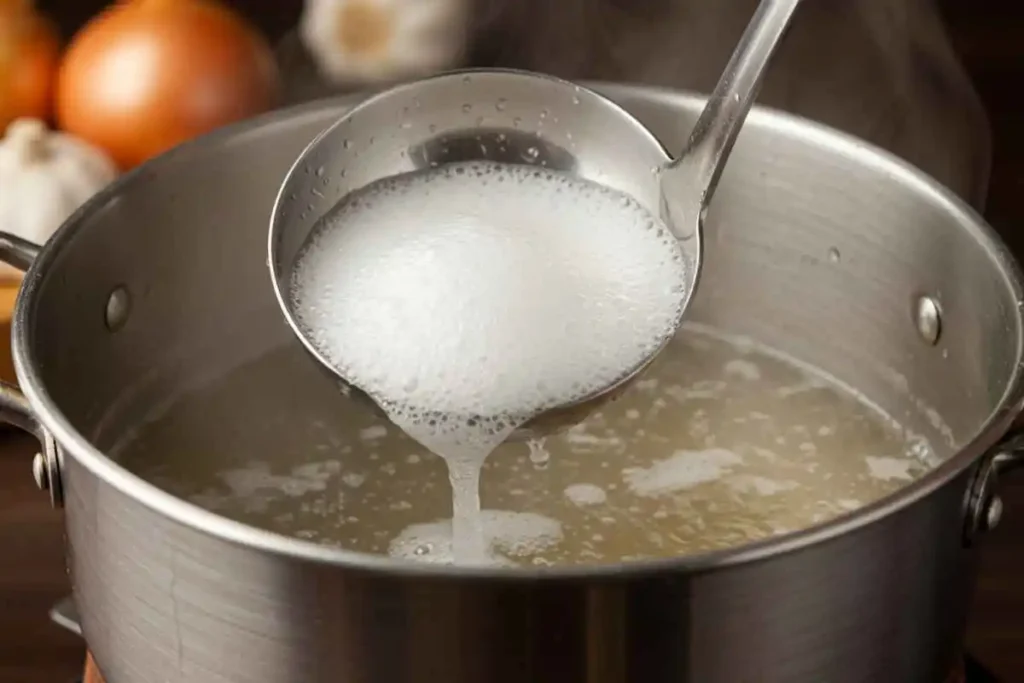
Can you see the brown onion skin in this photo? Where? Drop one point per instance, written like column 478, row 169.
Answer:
column 29, row 59
column 146, row 75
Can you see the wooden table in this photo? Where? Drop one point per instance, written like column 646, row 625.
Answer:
column 32, row 575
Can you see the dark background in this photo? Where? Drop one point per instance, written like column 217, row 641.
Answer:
column 989, row 35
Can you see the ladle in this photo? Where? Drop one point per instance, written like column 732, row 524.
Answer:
column 521, row 117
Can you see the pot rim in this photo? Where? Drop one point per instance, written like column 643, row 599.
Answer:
column 77, row 446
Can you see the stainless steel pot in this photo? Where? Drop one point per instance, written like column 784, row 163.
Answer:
column 817, row 244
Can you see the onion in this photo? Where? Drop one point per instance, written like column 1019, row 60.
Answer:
column 146, row 75
column 29, row 57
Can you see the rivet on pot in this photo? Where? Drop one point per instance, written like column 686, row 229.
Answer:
column 119, row 305
column 928, row 319
column 40, row 472
column 46, row 468
column 993, row 513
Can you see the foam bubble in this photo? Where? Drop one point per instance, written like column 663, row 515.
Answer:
column 683, row 470
column 888, row 469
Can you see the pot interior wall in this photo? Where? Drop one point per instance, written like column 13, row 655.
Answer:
column 814, row 246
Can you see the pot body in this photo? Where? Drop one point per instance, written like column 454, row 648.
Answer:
column 817, row 245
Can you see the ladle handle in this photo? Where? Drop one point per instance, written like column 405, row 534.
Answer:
column 701, row 161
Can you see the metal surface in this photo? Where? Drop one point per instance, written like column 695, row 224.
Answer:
column 532, row 119
column 170, row 592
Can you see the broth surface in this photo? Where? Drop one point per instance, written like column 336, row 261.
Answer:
column 722, row 443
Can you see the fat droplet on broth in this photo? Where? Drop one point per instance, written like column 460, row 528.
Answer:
column 586, row 494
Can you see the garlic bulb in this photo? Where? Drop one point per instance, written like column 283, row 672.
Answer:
column 355, row 42
column 44, row 177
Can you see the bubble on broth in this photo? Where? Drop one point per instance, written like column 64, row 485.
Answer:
column 258, row 486
column 539, row 454
column 469, row 298
column 353, row 479
column 767, row 489
column 762, row 486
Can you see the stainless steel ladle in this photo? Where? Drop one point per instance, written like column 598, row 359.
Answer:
column 525, row 118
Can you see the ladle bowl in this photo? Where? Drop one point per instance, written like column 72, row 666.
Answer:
column 519, row 117
column 501, row 116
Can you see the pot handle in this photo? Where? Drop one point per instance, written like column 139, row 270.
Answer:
column 14, row 407
column 17, row 252
column 15, row 410
column 984, row 507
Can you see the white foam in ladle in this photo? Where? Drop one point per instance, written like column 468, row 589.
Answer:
column 479, row 250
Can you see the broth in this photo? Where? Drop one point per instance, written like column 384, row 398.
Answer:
column 722, row 443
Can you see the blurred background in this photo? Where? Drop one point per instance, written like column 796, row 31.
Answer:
column 937, row 82
column 984, row 35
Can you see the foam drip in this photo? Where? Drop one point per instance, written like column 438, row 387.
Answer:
column 469, row 298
